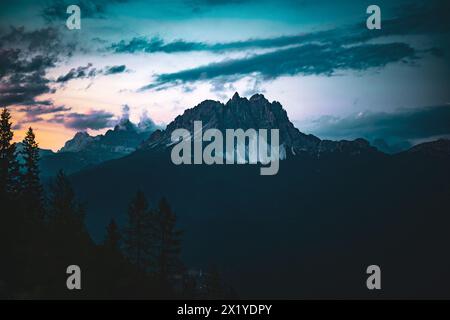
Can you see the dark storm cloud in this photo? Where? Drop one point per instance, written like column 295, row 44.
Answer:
column 45, row 39
column 88, row 71
column 25, row 57
column 95, row 120
column 23, row 88
column 419, row 123
column 75, row 73
column 307, row 60
column 9, row 61
column 156, row 44
column 114, row 69
column 56, row 9
column 13, row 61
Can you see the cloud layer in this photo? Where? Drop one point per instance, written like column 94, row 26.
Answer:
column 351, row 47
column 25, row 57
column 88, row 71
column 306, row 60
column 94, row 119
column 401, row 126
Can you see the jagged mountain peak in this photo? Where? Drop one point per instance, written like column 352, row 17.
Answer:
column 122, row 139
column 80, row 141
column 257, row 97
column 81, row 134
column 256, row 113
column 84, row 150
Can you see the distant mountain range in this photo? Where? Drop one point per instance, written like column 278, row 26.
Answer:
column 42, row 152
column 84, row 150
column 310, row 231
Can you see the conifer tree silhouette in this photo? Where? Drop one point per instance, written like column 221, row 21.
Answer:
column 169, row 243
column 139, row 233
column 116, row 274
column 32, row 192
column 69, row 242
column 38, row 240
column 9, row 212
column 9, row 167
column 113, row 237
column 65, row 214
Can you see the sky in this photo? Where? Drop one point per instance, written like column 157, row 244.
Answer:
column 154, row 59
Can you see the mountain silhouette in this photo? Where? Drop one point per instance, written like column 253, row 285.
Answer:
column 333, row 209
column 84, row 150
column 254, row 113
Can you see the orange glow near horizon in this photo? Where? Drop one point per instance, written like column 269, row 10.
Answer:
column 48, row 135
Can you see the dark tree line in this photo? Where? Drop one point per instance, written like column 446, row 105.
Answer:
column 43, row 232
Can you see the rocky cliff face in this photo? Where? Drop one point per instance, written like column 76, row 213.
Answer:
column 123, row 139
column 79, row 142
column 257, row 113
column 84, row 150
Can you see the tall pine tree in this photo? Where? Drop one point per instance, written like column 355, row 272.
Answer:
column 169, row 243
column 9, row 167
column 114, row 271
column 32, row 193
column 139, row 233
column 31, row 239
column 9, row 212
column 68, row 240
column 113, row 237
column 65, row 214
